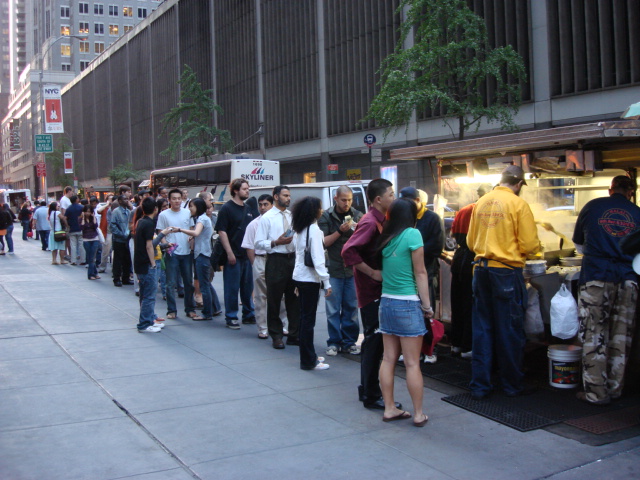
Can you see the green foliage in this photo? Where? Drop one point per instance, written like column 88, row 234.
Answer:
column 448, row 66
column 190, row 123
column 122, row 173
column 56, row 160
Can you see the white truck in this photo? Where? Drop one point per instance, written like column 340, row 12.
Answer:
column 15, row 198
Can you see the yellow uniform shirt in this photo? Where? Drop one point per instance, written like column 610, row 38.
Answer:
column 502, row 228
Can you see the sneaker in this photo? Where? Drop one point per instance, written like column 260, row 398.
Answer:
column 430, row 358
column 159, row 325
column 322, row 366
column 102, row 270
column 468, row 355
column 332, row 351
column 352, row 350
column 150, row 329
column 11, row 253
column 233, row 325
column 456, row 350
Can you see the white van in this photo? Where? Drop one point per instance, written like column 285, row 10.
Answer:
column 15, row 198
column 325, row 191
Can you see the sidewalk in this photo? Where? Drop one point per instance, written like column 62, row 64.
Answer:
column 84, row 396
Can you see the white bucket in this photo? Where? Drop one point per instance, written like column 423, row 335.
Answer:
column 564, row 366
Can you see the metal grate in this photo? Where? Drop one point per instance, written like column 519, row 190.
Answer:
column 609, row 421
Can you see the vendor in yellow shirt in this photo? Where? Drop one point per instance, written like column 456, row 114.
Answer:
column 503, row 234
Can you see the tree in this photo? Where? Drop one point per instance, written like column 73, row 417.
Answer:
column 56, row 161
column 448, row 68
column 122, row 173
column 190, row 123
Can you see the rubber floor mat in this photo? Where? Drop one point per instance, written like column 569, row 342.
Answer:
column 543, row 408
column 608, row 422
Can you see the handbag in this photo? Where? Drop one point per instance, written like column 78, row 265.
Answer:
column 434, row 335
column 58, row 235
column 308, row 259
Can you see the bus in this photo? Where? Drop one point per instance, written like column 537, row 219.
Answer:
column 214, row 177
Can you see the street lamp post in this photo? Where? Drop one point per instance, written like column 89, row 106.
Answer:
column 42, row 106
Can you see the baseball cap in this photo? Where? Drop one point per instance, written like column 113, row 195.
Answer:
column 514, row 171
column 410, row 193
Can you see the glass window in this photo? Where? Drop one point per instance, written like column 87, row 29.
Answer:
column 128, row 28
column 98, row 47
column 84, row 47
column 66, row 67
column 83, row 64
column 98, row 9
column 83, row 27
column 127, row 11
column 64, row 12
column 113, row 30
column 113, row 10
column 98, row 28
column 142, row 13
column 65, row 50
column 83, row 8
column 65, row 30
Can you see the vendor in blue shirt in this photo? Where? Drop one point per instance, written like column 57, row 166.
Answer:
column 608, row 290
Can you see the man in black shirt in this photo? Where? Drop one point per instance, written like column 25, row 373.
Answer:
column 233, row 219
column 144, row 266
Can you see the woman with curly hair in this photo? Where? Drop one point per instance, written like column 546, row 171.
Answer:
column 404, row 305
column 308, row 241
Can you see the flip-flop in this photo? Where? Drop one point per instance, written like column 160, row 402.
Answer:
column 192, row 314
column 171, row 316
column 422, row 423
column 401, row 416
column 263, row 336
column 200, row 318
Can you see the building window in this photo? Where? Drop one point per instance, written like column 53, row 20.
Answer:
column 127, row 11
column 83, row 64
column 98, row 9
column 66, row 67
column 98, row 28
column 84, row 27
column 65, row 30
column 65, row 50
column 64, row 12
column 113, row 10
column 128, row 28
column 142, row 13
column 98, row 47
column 84, row 47
column 113, row 30
column 84, row 8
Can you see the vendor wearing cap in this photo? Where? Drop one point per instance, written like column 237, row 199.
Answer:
column 503, row 234
column 430, row 227
column 608, row 290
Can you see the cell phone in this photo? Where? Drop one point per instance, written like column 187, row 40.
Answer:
column 288, row 233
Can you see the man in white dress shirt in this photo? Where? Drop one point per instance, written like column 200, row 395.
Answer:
column 274, row 237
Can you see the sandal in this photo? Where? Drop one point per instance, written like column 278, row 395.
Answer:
column 401, row 416
column 199, row 318
column 97, row 277
column 421, row 423
column 263, row 336
column 192, row 315
column 52, row 263
column 171, row 316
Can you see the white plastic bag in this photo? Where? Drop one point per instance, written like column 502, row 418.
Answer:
column 564, row 314
column 533, row 324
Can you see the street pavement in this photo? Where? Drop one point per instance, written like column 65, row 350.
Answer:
column 84, row 396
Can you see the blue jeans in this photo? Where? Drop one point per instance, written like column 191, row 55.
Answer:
column 8, row 237
column 500, row 301
column 148, row 287
column 162, row 278
column 44, row 238
column 342, row 313
column 210, row 301
column 90, row 249
column 182, row 266
column 26, row 227
column 238, row 277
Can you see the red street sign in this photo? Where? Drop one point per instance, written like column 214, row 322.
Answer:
column 332, row 167
column 41, row 169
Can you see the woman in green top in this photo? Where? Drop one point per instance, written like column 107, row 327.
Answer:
column 403, row 307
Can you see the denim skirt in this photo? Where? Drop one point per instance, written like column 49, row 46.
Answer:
column 403, row 318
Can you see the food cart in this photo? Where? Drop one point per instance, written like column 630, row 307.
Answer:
column 565, row 168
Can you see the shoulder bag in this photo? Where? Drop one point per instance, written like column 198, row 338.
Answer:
column 58, row 235
column 308, row 259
